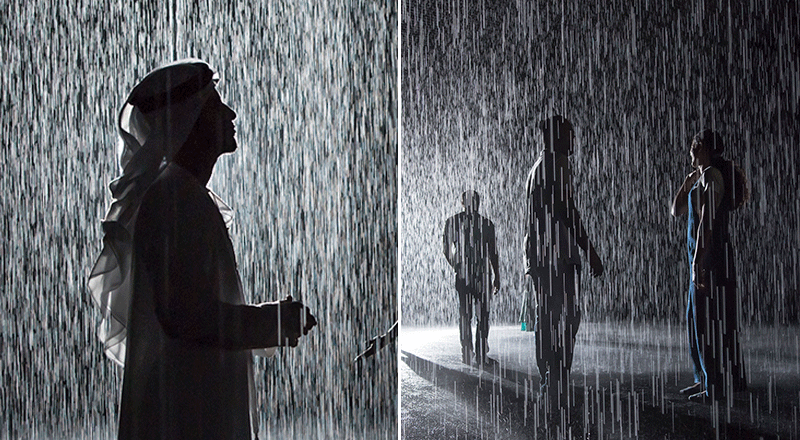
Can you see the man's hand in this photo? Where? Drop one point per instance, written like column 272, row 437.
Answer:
column 496, row 285
column 699, row 276
column 377, row 343
column 690, row 180
column 595, row 265
column 295, row 320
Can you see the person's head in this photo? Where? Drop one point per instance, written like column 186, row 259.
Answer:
column 170, row 107
column 706, row 147
column 176, row 107
column 558, row 135
column 214, row 133
column 470, row 200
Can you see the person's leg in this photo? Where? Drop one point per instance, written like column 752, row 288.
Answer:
column 573, row 313
column 554, row 328
column 527, row 315
column 543, row 330
column 694, row 353
column 465, row 320
column 567, row 329
column 707, row 321
column 482, row 313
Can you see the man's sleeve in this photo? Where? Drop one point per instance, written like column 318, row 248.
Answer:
column 573, row 219
column 564, row 206
column 176, row 243
column 492, row 248
column 447, row 240
column 532, row 207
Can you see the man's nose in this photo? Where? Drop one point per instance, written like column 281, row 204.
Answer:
column 231, row 113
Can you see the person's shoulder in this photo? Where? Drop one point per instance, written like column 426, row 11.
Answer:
column 712, row 175
column 535, row 173
column 537, row 163
column 176, row 190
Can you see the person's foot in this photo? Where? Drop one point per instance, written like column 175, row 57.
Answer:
column 487, row 362
column 699, row 397
column 693, row 388
column 543, row 383
column 466, row 356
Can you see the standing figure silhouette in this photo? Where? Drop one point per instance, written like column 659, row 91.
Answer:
column 166, row 279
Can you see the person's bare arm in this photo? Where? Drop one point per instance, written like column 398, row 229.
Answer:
column 494, row 259
column 581, row 237
column 680, row 203
column 378, row 342
column 705, row 232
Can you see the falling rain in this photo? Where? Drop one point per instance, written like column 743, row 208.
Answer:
column 313, row 187
column 637, row 80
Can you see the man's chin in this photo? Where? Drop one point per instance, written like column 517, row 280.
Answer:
column 230, row 147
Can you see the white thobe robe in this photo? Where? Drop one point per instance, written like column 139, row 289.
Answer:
column 188, row 367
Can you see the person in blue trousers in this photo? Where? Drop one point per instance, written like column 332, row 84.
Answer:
column 714, row 188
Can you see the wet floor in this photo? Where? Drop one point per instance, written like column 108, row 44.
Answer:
column 625, row 384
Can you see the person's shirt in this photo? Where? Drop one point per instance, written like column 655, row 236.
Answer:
column 550, row 226
column 469, row 244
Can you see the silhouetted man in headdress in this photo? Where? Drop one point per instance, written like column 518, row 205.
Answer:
column 470, row 248
column 553, row 234
column 174, row 311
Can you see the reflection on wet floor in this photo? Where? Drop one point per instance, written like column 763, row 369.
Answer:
column 625, row 383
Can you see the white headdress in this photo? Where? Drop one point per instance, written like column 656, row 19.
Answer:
column 154, row 122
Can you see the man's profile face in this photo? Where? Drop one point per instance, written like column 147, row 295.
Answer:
column 698, row 153
column 216, row 120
